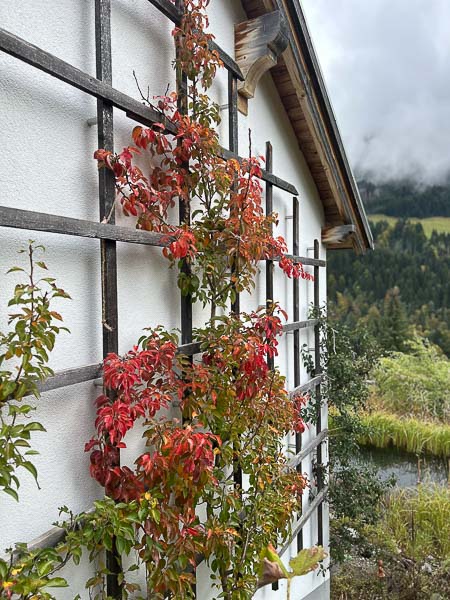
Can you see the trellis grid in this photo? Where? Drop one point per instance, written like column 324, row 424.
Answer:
column 108, row 99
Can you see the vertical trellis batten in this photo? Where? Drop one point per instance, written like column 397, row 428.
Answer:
column 318, row 398
column 107, row 196
column 184, row 207
column 106, row 177
column 184, row 215
column 269, row 263
column 296, row 317
column 232, row 113
column 233, row 142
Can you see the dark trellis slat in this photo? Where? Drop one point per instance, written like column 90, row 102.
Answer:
column 184, row 210
column 233, row 142
column 297, row 459
column 318, row 396
column 108, row 250
column 265, row 175
column 296, row 315
column 55, row 535
column 168, row 9
column 91, row 372
column 306, row 260
column 295, row 326
column 36, row 221
column 308, row 386
column 269, row 263
column 71, row 377
column 36, row 57
column 278, row 182
column 229, row 63
column 184, row 215
column 233, row 131
column 298, row 526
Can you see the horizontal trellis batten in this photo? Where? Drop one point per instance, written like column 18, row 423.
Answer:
column 92, row 372
column 315, row 505
column 108, row 233
column 36, row 57
column 17, row 218
column 56, row 535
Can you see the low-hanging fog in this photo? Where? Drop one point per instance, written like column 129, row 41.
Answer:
column 386, row 64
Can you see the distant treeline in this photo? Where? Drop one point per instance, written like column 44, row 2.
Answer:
column 405, row 199
column 403, row 283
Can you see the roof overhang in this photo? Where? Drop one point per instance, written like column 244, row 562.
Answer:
column 302, row 90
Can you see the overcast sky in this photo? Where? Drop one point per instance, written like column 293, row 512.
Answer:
column 386, row 64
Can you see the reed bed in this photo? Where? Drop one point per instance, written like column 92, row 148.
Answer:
column 418, row 521
column 419, row 437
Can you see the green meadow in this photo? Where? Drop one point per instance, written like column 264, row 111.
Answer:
column 430, row 224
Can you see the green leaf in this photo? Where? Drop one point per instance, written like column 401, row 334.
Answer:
column 120, row 545
column 271, row 555
column 34, row 427
column 12, row 493
column 30, row 467
column 307, row 560
column 56, row 582
column 44, row 568
column 3, row 569
column 22, row 444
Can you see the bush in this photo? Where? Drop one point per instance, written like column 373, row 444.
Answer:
column 415, row 384
column 418, row 522
column 409, row 556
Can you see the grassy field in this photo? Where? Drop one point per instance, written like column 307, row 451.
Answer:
column 439, row 224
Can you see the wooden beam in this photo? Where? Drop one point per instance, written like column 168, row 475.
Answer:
column 297, row 325
column 338, row 234
column 35, row 221
column 307, row 387
column 305, row 260
column 36, row 57
column 169, row 10
column 258, row 44
column 300, row 456
column 316, row 503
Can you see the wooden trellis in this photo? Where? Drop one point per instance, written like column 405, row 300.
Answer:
column 108, row 99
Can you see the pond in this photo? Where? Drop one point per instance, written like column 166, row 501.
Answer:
column 406, row 468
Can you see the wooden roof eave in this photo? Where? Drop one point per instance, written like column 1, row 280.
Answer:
column 302, row 91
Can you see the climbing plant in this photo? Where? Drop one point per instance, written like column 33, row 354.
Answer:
column 212, row 481
column 24, row 350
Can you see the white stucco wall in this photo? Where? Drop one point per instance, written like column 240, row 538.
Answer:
column 47, row 165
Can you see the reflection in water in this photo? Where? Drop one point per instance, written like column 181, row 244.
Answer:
column 407, row 468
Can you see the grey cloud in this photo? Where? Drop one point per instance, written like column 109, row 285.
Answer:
column 386, row 64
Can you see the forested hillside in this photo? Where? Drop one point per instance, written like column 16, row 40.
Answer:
column 401, row 286
column 405, row 199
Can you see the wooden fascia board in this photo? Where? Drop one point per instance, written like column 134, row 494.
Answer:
column 327, row 160
column 306, row 78
column 330, row 135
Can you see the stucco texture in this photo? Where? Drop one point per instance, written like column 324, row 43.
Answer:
column 47, row 165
